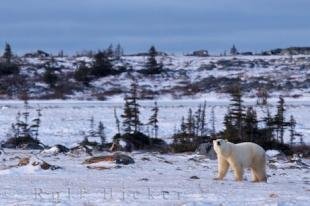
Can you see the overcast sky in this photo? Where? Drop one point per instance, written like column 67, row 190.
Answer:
column 176, row 26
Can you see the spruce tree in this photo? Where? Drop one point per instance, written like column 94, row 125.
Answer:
column 198, row 122
column 127, row 117
column 36, row 124
column 91, row 131
column 102, row 65
column 183, row 126
column 25, row 129
column 7, row 55
column 17, row 126
column 24, row 124
column 152, row 66
column 8, row 67
column 203, row 124
column 292, row 130
column 109, row 51
column 233, row 51
column 119, row 52
column 190, row 122
column 82, row 74
column 117, row 122
column 153, row 120
column 183, row 137
column 269, row 126
column 131, row 113
column 50, row 77
column 101, row 133
column 250, row 125
column 230, row 131
column 135, row 106
column 236, row 111
column 280, row 120
column 213, row 130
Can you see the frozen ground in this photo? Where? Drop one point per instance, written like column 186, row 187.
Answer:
column 65, row 122
column 154, row 179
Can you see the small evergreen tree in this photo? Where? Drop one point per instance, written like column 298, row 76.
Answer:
column 269, row 126
column 36, row 124
column 25, row 124
column 50, row 77
column 152, row 66
column 91, row 131
column 183, row 137
column 8, row 67
column 213, row 130
column 230, row 133
column 203, row 127
column 292, row 130
column 102, row 65
column 127, row 117
column 183, row 126
column 7, row 55
column 250, row 125
column 23, row 131
column 131, row 121
column 197, row 120
column 117, row 122
column 236, row 115
column 233, row 51
column 101, row 133
column 82, row 74
column 110, row 51
column 279, row 119
column 153, row 120
column 190, row 122
column 119, row 52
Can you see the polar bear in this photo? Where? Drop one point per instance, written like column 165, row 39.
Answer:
column 239, row 157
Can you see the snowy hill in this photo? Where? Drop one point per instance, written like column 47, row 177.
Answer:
column 183, row 76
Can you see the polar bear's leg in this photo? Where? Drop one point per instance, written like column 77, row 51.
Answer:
column 261, row 174
column 254, row 176
column 260, row 169
column 223, row 166
column 238, row 170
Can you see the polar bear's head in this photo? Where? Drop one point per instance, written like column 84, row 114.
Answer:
column 222, row 147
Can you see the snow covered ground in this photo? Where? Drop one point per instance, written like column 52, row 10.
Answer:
column 154, row 179
column 66, row 122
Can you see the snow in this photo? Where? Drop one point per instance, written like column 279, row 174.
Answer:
column 272, row 153
column 52, row 150
column 122, row 143
column 154, row 179
column 108, row 165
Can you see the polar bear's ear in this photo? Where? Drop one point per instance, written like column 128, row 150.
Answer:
column 226, row 140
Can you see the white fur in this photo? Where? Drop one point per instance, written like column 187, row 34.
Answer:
column 239, row 157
